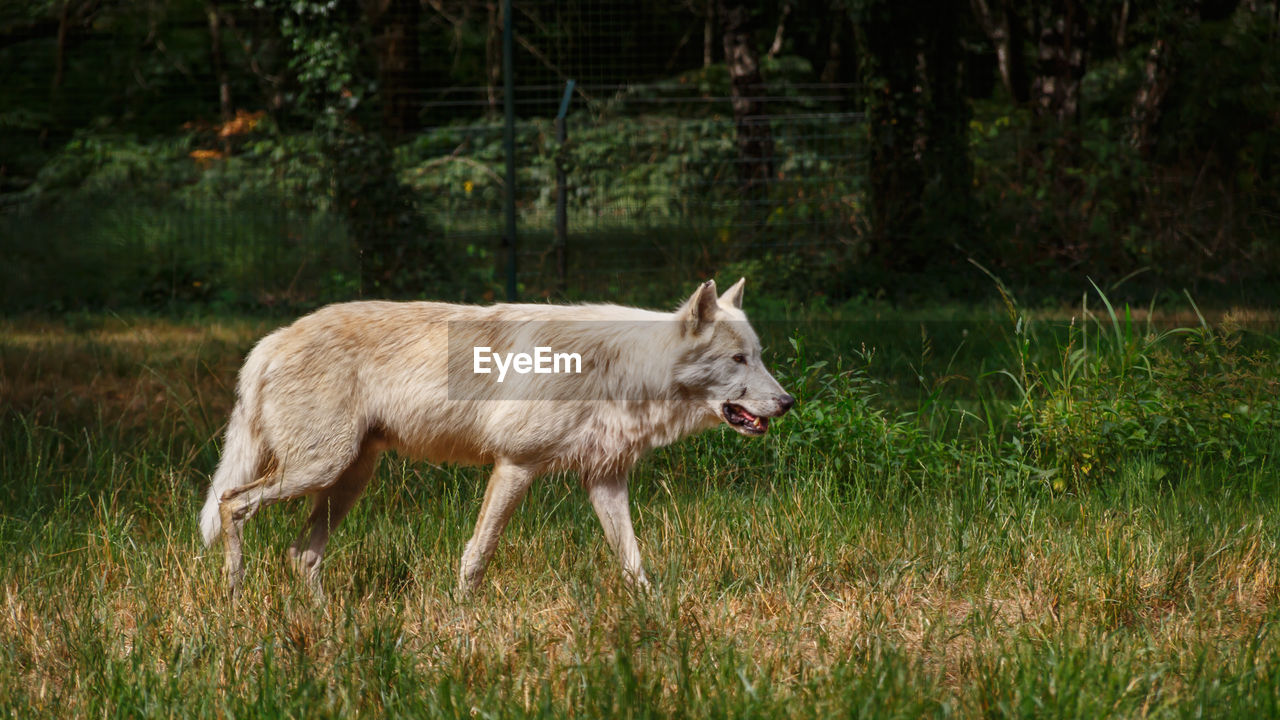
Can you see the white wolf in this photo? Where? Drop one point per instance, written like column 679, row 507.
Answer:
column 319, row 400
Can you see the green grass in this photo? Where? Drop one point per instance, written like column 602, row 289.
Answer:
column 871, row 557
column 163, row 254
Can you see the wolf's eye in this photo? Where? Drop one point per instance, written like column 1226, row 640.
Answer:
column 740, row 359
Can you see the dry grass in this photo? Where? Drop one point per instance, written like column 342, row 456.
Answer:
column 787, row 596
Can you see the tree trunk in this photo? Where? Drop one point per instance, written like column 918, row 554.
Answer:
column 59, row 68
column 1122, row 27
column 1157, row 77
column 891, row 83
column 775, row 48
column 1177, row 20
column 395, row 32
column 831, row 68
column 755, row 137
column 1005, row 30
column 219, row 66
column 493, row 56
column 996, row 26
column 1061, row 56
column 948, row 171
column 1019, row 79
column 708, row 35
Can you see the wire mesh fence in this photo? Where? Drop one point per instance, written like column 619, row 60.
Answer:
column 651, row 173
column 640, row 183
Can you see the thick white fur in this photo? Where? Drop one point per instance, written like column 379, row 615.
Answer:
column 320, row 399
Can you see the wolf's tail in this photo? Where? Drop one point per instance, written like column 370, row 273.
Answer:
column 244, row 452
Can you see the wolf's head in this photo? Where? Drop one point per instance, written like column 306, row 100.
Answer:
column 720, row 363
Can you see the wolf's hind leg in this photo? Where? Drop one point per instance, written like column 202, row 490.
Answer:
column 239, row 504
column 609, row 498
column 233, row 556
column 506, row 488
column 331, row 506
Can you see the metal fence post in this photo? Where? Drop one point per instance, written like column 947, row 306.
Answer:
column 562, row 200
column 509, row 147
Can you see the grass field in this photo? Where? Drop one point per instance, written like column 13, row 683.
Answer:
column 957, row 521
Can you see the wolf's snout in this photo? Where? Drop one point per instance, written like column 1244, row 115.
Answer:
column 785, row 403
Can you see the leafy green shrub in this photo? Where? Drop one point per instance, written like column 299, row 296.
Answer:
column 113, row 165
column 264, row 218
column 1194, row 398
column 401, row 252
column 115, row 222
column 1115, row 392
column 632, row 170
column 841, row 427
column 843, row 423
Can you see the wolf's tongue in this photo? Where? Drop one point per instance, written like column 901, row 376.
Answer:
column 752, row 421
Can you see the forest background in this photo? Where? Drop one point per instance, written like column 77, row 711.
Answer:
column 272, row 153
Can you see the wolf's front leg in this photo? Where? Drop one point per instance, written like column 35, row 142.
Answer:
column 609, row 498
column 507, row 486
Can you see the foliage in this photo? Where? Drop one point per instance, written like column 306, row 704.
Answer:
column 1110, row 389
column 173, row 222
column 651, row 149
column 402, row 252
column 788, row 77
column 1051, row 204
column 322, row 49
column 1198, row 208
column 636, row 170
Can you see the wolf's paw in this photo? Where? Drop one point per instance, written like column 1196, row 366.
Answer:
column 307, row 565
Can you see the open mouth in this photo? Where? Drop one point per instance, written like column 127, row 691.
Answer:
column 743, row 421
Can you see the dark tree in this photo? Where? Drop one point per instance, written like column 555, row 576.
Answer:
column 1006, row 30
column 216, row 58
column 754, row 136
column 1061, row 57
column 947, row 166
column 328, row 53
column 493, row 55
column 919, row 171
column 888, row 35
column 394, row 24
column 1172, row 22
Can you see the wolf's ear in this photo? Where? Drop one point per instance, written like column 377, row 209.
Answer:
column 699, row 310
column 733, row 296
